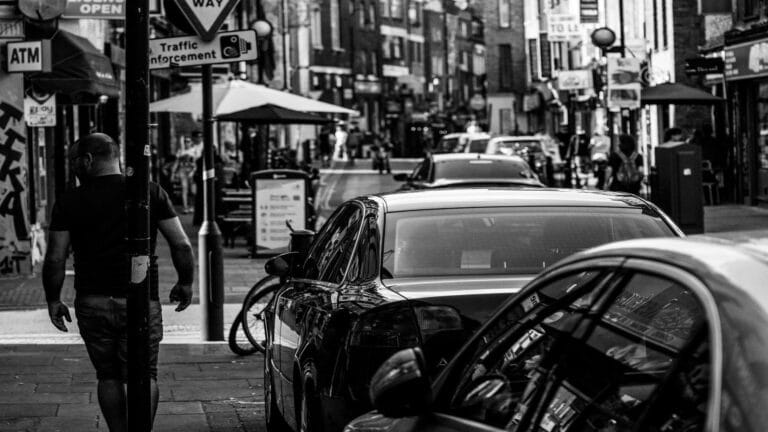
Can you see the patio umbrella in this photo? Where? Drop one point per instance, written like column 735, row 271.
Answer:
column 677, row 94
column 272, row 114
column 237, row 95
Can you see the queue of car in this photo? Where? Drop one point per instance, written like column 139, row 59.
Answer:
column 420, row 271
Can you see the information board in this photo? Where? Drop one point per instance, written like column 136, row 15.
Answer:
column 278, row 201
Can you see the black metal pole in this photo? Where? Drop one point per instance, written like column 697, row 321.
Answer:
column 211, row 267
column 283, row 31
column 137, row 208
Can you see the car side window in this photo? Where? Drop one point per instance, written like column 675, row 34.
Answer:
column 421, row 172
column 329, row 257
column 365, row 264
column 642, row 360
column 510, row 352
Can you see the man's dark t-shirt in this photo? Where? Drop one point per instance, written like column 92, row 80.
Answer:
column 94, row 215
column 615, row 161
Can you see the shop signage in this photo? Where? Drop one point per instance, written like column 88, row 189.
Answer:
column 624, row 83
column 29, row 56
column 704, row 65
column 747, row 60
column 367, row 87
column 11, row 29
column 40, row 110
column 104, row 9
column 563, row 27
column 206, row 16
column 574, row 80
column 589, row 12
column 226, row 47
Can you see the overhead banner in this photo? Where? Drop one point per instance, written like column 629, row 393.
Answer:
column 624, row 85
column 226, row 47
column 40, row 110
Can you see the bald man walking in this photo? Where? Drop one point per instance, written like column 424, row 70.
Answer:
column 92, row 220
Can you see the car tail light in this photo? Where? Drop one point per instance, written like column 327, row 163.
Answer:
column 392, row 327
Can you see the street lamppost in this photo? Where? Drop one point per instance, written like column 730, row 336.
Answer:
column 604, row 38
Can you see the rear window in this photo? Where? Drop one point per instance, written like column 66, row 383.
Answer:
column 518, row 147
column 478, row 146
column 447, row 145
column 482, row 169
column 503, row 241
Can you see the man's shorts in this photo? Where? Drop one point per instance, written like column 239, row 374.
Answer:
column 103, row 324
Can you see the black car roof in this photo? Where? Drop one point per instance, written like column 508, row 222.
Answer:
column 505, row 197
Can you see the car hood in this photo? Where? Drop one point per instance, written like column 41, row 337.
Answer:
column 475, row 297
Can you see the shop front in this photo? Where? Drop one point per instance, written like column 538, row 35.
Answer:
column 746, row 72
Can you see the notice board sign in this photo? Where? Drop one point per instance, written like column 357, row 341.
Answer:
column 279, row 196
column 40, row 110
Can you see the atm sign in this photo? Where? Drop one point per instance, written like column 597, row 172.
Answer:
column 29, row 56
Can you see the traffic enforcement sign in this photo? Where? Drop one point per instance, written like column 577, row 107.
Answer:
column 206, row 16
column 226, row 47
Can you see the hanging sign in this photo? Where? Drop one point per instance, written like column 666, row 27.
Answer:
column 563, row 27
column 589, row 12
column 206, row 16
column 226, row 47
column 40, row 110
column 574, row 80
column 29, row 56
column 104, row 9
column 624, row 83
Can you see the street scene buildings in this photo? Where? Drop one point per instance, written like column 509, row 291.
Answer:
column 398, row 150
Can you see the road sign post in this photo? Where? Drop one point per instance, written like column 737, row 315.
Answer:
column 206, row 17
column 137, row 177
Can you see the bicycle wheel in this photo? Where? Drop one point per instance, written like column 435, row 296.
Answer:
column 252, row 313
column 238, row 342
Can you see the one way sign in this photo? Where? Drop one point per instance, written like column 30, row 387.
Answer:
column 206, row 16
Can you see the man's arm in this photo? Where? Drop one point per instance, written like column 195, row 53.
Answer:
column 183, row 260
column 53, row 277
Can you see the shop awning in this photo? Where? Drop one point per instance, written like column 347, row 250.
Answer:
column 78, row 69
column 677, row 94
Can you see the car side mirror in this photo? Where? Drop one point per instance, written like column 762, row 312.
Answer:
column 281, row 265
column 401, row 388
column 400, row 177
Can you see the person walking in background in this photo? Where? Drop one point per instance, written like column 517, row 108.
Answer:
column 324, row 147
column 185, row 170
column 625, row 167
column 341, row 140
column 92, row 220
column 354, row 141
column 599, row 150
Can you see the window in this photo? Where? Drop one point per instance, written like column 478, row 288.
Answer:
column 365, row 265
column 374, row 63
column 437, row 65
column 362, row 14
column 330, row 255
column 335, row 27
column 396, row 9
column 464, row 29
column 505, row 67
column 384, row 8
column 504, row 13
column 437, row 34
column 371, row 16
column 385, row 47
column 316, row 25
column 397, row 48
column 533, row 58
column 415, row 51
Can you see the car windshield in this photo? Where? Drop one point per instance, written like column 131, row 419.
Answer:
column 498, row 241
column 517, row 147
column 482, row 169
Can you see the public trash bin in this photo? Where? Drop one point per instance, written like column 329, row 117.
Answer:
column 279, row 196
column 676, row 185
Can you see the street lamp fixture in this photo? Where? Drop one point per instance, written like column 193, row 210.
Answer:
column 603, row 37
column 263, row 28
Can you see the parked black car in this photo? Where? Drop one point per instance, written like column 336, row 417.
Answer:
column 645, row 335
column 416, row 269
column 469, row 170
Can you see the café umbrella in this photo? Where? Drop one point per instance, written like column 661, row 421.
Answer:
column 237, row 95
column 677, row 94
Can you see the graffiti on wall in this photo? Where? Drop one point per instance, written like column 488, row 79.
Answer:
column 15, row 243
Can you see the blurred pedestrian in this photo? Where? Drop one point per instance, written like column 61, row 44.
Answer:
column 354, row 141
column 324, row 146
column 92, row 220
column 599, row 150
column 341, row 140
column 625, row 167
